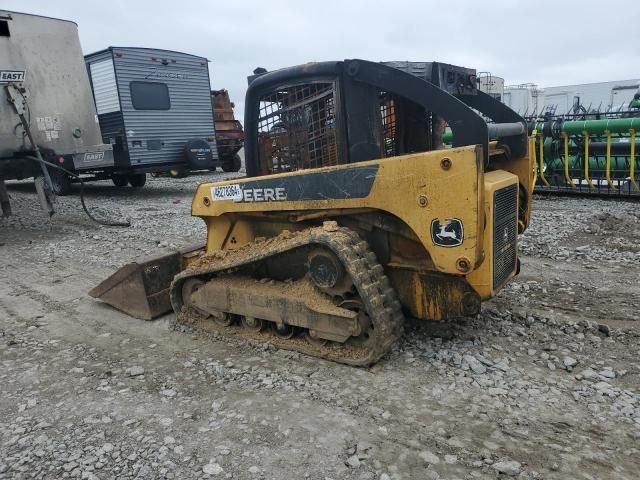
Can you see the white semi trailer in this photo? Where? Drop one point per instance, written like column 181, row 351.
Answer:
column 47, row 113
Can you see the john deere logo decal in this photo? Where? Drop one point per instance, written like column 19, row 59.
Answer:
column 449, row 233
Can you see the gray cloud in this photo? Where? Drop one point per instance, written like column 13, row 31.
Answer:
column 540, row 41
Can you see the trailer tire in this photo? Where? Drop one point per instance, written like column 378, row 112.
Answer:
column 119, row 180
column 60, row 182
column 178, row 172
column 233, row 165
column 137, row 180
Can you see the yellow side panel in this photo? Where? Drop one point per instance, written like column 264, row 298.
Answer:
column 419, row 189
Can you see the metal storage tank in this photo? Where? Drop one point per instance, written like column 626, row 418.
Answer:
column 150, row 104
column 524, row 99
column 600, row 96
column 491, row 84
column 41, row 64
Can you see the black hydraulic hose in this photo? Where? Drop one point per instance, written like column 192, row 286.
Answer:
column 108, row 223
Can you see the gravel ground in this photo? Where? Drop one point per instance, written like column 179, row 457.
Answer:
column 543, row 384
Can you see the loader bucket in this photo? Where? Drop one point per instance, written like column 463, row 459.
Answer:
column 141, row 288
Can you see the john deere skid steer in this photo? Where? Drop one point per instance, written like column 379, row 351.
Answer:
column 352, row 214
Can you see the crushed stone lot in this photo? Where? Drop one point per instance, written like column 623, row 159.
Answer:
column 544, row 384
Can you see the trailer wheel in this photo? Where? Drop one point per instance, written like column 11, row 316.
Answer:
column 119, row 180
column 233, row 165
column 178, row 172
column 137, row 180
column 60, row 182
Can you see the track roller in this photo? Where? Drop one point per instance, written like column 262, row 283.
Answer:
column 283, row 330
column 252, row 323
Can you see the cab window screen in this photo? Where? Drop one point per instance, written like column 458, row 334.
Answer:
column 150, row 96
column 297, row 127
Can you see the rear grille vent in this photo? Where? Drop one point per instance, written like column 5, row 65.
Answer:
column 505, row 233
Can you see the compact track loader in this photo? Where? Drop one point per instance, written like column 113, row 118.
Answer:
column 352, row 214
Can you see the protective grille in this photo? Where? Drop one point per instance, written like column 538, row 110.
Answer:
column 297, row 128
column 388, row 106
column 505, row 233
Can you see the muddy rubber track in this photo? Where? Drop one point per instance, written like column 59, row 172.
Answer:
column 375, row 291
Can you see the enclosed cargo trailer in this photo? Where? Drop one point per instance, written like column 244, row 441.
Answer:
column 154, row 107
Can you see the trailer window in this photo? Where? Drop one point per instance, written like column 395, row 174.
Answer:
column 150, row 96
column 4, row 28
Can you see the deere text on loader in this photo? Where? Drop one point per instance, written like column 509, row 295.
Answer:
column 352, row 214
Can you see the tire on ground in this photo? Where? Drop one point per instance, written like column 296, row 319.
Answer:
column 60, row 182
column 233, row 165
column 137, row 180
column 178, row 172
column 119, row 180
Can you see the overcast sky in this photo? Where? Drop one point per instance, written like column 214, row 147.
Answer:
column 539, row 41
